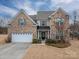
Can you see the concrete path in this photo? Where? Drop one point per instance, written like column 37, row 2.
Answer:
column 13, row 50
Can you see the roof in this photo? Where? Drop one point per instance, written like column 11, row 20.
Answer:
column 44, row 14
column 43, row 27
column 59, row 10
column 33, row 17
column 23, row 11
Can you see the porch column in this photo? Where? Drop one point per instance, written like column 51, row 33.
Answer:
column 48, row 34
column 38, row 34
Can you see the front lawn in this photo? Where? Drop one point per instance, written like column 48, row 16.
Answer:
column 38, row 51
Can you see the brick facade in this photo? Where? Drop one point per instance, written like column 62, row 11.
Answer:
column 29, row 27
column 59, row 14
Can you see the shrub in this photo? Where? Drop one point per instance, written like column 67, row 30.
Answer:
column 50, row 41
column 60, row 41
column 36, row 41
column 8, row 40
column 57, row 43
column 61, row 45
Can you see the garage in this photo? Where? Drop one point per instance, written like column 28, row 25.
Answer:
column 22, row 37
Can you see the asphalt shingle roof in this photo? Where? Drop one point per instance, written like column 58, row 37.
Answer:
column 44, row 14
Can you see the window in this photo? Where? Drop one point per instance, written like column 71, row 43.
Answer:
column 49, row 18
column 59, row 27
column 67, row 16
column 43, row 23
column 22, row 22
column 59, row 21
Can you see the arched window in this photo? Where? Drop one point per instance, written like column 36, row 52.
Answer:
column 60, row 21
column 59, row 26
column 22, row 22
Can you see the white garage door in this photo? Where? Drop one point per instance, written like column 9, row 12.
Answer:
column 21, row 37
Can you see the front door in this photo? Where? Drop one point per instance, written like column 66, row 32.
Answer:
column 43, row 35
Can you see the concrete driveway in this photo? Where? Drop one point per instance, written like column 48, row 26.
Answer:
column 13, row 50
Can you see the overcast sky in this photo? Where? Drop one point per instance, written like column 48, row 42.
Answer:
column 11, row 7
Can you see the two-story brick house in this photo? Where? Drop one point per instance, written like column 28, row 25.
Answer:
column 24, row 27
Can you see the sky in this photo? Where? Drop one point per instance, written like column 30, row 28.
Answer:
column 9, row 8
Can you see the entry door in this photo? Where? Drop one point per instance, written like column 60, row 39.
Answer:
column 43, row 35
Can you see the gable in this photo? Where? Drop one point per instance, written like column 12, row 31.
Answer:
column 24, row 15
column 22, row 23
column 59, row 12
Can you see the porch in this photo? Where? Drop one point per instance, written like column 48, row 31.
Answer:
column 43, row 32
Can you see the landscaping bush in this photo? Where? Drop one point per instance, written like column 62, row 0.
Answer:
column 36, row 41
column 57, row 43
column 8, row 40
column 61, row 45
column 48, row 41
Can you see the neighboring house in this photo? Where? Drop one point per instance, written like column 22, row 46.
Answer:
column 76, row 15
column 44, row 25
column 74, row 27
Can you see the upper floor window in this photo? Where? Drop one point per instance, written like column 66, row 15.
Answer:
column 43, row 23
column 22, row 22
column 49, row 18
column 59, row 21
column 67, row 16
